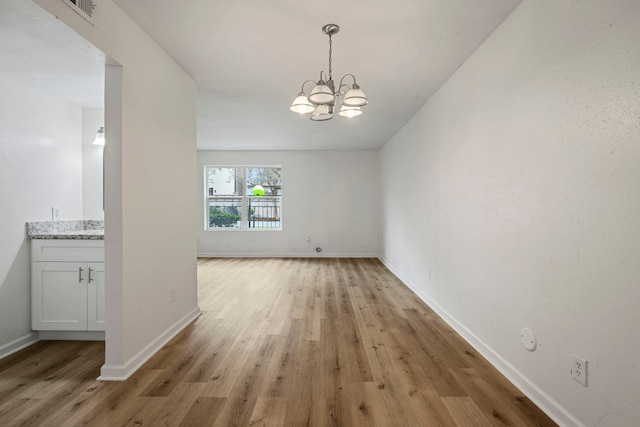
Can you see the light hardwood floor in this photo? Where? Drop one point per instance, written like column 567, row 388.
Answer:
column 281, row 342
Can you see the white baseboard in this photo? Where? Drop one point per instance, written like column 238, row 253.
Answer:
column 545, row 402
column 72, row 335
column 122, row 372
column 18, row 344
column 287, row 255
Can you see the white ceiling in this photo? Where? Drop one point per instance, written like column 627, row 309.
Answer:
column 250, row 58
column 38, row 50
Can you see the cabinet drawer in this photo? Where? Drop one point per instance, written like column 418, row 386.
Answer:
column 67, row 250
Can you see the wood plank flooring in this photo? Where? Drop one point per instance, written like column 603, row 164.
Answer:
column 281, row 342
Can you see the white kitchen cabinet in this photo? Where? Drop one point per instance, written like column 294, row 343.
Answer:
column 95, row 297
column 67, row 285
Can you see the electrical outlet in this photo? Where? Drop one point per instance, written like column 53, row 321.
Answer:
column 173, row 295
column 579, row 369
column 55, row 213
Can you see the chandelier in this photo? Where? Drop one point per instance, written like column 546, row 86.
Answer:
column 323, row 98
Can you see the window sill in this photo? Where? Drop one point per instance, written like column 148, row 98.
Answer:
column 243, row 230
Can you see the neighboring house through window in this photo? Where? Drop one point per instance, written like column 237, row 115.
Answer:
column 243, row 197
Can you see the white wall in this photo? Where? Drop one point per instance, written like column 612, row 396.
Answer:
column 524, row 203
column 92, row 205
column 329, row 196
column 40, row 167
column 150, row 210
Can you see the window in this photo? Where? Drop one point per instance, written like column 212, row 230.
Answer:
column 243, row 197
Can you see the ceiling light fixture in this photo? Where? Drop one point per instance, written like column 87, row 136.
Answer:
column 99, row 140
column 322, row 100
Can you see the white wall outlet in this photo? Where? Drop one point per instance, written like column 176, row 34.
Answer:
column 528, row 339
column 579, row 369
column 55, row 213
column 173, row 295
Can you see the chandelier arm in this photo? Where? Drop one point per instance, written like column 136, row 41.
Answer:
column 340, row 92
column 302, row 88
column 342, row 79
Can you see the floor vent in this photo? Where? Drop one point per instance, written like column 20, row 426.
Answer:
column 83, row 8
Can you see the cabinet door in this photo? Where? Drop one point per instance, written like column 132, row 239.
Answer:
column 59, row 296
column 95, row 296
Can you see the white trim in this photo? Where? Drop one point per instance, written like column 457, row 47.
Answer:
column 287, row 255
column 18, row 344
column 122, row 372
column 240, row 230
column 243, row 198
column 72, row 335
column 545, row 402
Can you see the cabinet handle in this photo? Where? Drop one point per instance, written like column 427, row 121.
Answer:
column 90, row 270
column 80, row 274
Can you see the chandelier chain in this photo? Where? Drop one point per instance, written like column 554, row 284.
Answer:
column 330, row 51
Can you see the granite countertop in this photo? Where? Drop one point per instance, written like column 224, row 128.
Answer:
column 72, row 230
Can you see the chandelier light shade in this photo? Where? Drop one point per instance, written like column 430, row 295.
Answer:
column 302, row 105
column 355, row 97
column 321, row 94
column 322, row 113
column 347, row 111
column 325, row 97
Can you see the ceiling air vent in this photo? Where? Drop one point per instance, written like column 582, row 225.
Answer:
column 83, row 8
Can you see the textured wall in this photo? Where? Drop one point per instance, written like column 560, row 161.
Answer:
column 523, row 203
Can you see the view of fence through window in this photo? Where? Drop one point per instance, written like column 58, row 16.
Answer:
column 247, row 197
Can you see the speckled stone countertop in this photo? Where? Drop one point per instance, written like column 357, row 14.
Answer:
column 73, row 230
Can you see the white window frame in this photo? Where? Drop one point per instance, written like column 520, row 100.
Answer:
column 245, row 224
